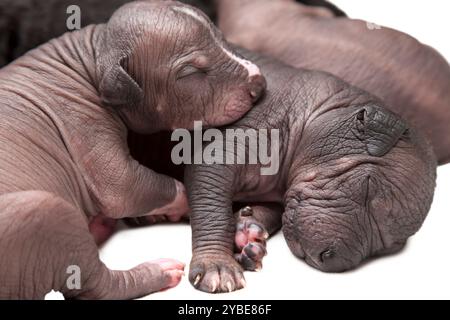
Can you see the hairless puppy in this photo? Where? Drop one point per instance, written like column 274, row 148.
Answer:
column 344, row 191
column 411, row 78
column 66, row 107
column 250, row 235
column 355, row 181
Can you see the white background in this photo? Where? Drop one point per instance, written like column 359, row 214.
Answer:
column 420, row 271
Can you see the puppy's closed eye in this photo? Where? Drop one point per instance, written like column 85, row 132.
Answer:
column 190, row 70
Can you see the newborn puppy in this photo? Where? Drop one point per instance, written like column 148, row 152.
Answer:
column 66, row 107
column 355, row 181
column 411, row 78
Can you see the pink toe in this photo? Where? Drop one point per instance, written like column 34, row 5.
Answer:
column 241, row 240
column 175, row 277
column 256, row 233
column 170, row 264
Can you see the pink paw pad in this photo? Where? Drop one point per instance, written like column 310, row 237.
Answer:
column 250, row 241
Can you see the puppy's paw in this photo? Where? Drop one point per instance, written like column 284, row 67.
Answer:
column 173, row 271
column 250, row 241
column 176, row 211
column 216, row 273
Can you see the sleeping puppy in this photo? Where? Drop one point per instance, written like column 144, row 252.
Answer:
column 354, row 180
column 66, row 108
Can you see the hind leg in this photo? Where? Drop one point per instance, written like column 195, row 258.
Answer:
column 45, row 244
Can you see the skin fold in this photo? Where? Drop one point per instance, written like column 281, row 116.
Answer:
column 66, row 108
column 344, row 191
column 411, row 78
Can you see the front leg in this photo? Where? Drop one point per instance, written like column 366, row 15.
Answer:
column 118, row 184
column 210, row 191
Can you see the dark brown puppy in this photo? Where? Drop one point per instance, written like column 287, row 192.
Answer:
column 412, row 78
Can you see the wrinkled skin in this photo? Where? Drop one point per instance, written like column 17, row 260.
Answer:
column 267, row 216
column 411, row 78
column 355, row 180
column 66, row 108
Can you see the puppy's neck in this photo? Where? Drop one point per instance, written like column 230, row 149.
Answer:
column 78, row 50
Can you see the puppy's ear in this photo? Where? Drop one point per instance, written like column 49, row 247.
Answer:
column 381, row 129
column 117, row 88
column 114, row 49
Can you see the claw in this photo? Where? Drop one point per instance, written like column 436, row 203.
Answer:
column 229, row 287
column 197, row 280
column 243, row 282
column 214, row 286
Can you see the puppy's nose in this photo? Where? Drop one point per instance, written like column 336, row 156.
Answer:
column 257, row 85
column 331, row 261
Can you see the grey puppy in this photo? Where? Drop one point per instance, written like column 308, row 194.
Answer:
column 337, row 212
column 66, row 107
column 355, row 181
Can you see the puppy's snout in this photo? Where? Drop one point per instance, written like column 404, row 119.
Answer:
column 330, row 260
column 257, row 86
